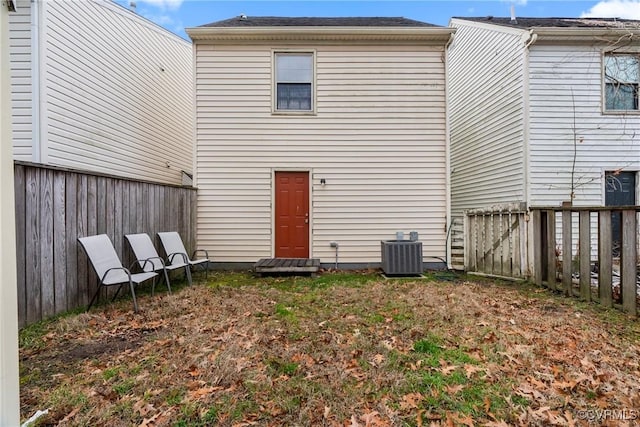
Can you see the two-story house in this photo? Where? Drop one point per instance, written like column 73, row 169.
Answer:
column 319, row 134
column 543, row 111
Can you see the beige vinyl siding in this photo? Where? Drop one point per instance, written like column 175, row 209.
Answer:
column 487, row 116
column 21, row 80
column 118, row 92
column 566, row 80
column 378, row 139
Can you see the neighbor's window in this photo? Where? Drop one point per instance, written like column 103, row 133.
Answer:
column 621, row 78
column 294, row 81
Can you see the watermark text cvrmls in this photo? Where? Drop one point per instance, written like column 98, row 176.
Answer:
column 608, row 414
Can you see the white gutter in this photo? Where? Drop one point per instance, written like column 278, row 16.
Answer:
column 572, row 34
column 436, row 35
column 9, row 382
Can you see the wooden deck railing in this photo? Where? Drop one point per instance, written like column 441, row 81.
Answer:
column 568, row 266
column 495, row 241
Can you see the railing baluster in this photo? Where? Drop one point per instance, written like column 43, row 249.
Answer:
column 566, row 252
column 604, row 258
column 585, row 255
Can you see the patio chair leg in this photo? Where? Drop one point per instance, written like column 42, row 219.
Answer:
column 94, row 297
column 133, row 295
column 166, row 278
column 116, row 294
column 153, row 287
column 187, row 272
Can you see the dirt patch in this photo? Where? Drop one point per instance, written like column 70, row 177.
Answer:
column 106, row 348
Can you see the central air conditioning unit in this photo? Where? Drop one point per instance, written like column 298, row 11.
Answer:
column 401, row 257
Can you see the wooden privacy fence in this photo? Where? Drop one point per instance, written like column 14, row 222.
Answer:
column 55, row 206
column 495, row 241
column 566, row 265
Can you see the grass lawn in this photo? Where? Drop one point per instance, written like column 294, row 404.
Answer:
column 343, row 349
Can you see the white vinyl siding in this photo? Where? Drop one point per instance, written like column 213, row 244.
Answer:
column 118, row 92
column 378, row 140
column 21, row 84
column 567, row 81
column 487, row 116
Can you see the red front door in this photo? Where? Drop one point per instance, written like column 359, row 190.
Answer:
column 292, row 215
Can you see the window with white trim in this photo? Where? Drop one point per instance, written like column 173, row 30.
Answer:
column 294, row 81
column 621, row 80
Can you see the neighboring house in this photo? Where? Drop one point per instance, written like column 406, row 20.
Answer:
column 318, row 130
column 99, row 88
column 541, row 106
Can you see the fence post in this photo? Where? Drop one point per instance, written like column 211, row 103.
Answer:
column 551, row 248
column 536, row 220
column 628, row 280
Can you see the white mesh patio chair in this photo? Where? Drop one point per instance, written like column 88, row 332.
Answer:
column 176, row 252
column 149, row 260
column 108, row 267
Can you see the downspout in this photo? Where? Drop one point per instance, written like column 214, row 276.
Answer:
column 526, row 148
column 36, row 144
column 194, row 113
column 530, row 40
column 447, row 156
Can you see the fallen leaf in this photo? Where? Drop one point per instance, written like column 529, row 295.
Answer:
column 411, row 400
column 564, row 385
column 369, row 418
column 453, row 389
column 327, row 410
column 150, row 421
column 510, row 357
column 70, row 415
column 446, row 370
column 377, row 360
column 469, row 370
column 196, row 394
column 143, row 408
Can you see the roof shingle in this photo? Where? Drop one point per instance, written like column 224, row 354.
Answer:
column 244, row 21
column 528, row 23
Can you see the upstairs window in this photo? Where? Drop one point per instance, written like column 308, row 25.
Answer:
column 294, row 81
column 621, row 79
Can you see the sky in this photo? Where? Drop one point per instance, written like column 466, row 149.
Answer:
column 176, row 15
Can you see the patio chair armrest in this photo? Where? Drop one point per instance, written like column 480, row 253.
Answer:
column 184, row 256
column 127, row 272
column 206, row 253
column 148, row 260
